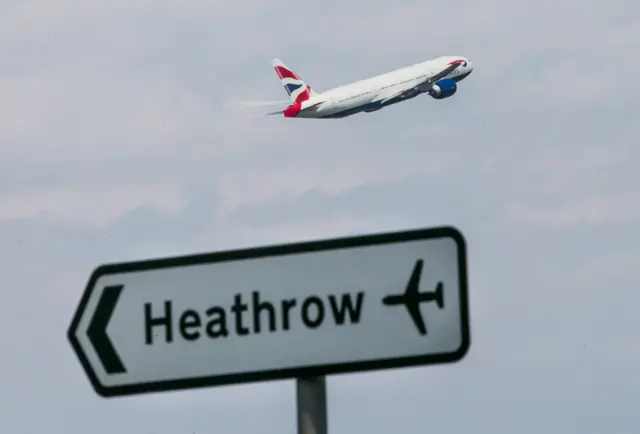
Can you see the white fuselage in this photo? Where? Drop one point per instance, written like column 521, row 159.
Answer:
column 362, row 96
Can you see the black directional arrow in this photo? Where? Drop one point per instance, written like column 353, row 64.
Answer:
column 97, row 331
column 412, row 297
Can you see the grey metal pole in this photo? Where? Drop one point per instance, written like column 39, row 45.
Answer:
column 311, row 395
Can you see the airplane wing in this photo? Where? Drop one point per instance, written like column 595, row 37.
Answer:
column 423, row 85
column 411, row 294
column 416, row 316
column 414, row 281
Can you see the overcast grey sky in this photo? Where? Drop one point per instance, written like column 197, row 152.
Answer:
column 118, row 142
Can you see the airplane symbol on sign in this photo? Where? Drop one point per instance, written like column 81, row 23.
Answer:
column 412, row 297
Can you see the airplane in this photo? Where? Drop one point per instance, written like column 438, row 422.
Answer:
column 412, row 297
column 437, row 77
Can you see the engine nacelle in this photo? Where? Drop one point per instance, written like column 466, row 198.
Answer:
column 443, row 88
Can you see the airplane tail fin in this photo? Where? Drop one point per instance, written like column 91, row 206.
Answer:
column 298, row 90
column 439, row 295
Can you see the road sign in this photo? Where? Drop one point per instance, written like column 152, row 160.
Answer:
column 297, row 310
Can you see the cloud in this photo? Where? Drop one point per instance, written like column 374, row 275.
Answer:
column 602, row 210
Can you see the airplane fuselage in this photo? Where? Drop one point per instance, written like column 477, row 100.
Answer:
column 377, row 92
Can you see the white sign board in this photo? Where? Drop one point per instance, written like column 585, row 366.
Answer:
column 315, row 308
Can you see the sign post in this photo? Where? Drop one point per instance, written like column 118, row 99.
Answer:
column 302, row 310
column 311, row 397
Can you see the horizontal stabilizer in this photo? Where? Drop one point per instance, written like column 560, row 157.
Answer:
column 262, row 103
column 275, row 113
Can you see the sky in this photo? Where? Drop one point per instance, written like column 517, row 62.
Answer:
column 121, row 139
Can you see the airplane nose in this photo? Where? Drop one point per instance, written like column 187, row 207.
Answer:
column 469, row 65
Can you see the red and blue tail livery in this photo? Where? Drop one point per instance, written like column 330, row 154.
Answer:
column 438, row 78
column 298, row 90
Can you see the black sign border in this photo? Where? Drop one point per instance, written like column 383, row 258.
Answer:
column 279, row 250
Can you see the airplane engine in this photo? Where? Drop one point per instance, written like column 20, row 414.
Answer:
column 443, row 88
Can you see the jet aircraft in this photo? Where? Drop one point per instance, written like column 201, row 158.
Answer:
column 438, row 78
